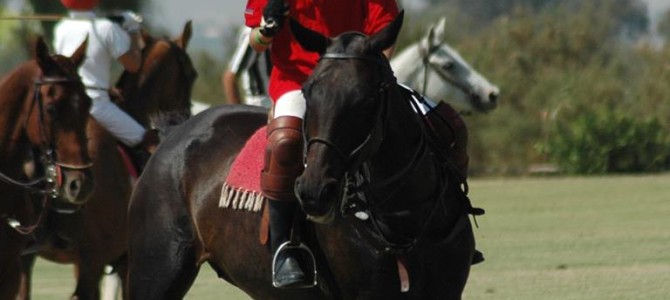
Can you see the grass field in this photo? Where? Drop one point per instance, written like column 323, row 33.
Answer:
column 543, row 238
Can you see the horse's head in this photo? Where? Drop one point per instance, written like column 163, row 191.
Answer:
column 442, row 74
column 58, row 115
column 164, row 81
column 345, row 102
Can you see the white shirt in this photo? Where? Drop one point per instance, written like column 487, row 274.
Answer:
column 107, row 41
column 255, row 70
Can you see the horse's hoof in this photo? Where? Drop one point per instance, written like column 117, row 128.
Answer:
column 289, row 275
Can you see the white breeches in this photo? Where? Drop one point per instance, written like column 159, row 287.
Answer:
column 259, row 100
column 291, row 104
column 117, row 122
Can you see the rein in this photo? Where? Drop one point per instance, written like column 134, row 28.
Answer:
column 357, row 185
column 52, row 179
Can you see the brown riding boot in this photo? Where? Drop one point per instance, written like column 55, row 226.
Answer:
column 283, row 164
column 283, row 158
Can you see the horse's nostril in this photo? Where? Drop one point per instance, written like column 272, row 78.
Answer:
column 493, row 97
column 75, row 187
column 328, row 189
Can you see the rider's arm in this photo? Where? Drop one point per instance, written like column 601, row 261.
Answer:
column 230, row 87
column 132, row 59
column 258, row 41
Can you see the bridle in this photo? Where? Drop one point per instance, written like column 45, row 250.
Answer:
column 376, row 135
column 357, row 180
column 427, row 66
column 184, row 66
column 49, row 184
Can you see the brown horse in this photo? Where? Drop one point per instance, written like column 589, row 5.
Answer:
column 45, row 107
column 96, row 235
column 392, row 230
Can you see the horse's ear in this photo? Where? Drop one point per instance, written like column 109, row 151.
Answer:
column 438, row 31
column 185, row 37
column 311, row 41
column 43, row 58
column 80, row 54
column 386, row 37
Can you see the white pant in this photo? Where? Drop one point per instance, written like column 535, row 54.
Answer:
column 116, row 121
column 291, row 104
column 260, row 100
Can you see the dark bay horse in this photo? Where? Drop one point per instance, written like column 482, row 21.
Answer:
column 43, row 105
column 373, row 159
column 176, row 223
column 96, row 235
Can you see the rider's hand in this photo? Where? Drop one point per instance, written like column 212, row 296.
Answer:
column 274, row 15
column 131, row 21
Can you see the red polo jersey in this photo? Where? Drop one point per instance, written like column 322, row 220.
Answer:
column 292, row 64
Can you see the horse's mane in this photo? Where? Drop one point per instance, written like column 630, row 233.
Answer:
column 135, row 86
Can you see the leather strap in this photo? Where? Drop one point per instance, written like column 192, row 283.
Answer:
column 264, row 227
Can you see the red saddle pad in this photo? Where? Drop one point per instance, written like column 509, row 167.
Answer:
column 242, row 188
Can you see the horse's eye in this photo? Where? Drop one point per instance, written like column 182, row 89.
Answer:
column 51, row 92
column 448, row 65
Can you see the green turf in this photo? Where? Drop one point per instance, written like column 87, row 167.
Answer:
column 551, row 238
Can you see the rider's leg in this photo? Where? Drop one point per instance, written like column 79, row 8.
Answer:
column 283, row 164
column 122, row 126
column 140, row 142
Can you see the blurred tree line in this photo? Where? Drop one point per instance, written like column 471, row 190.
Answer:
column 580, row 89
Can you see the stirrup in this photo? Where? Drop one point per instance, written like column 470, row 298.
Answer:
column 305, row 258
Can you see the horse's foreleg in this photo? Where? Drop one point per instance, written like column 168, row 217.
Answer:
column 111, row 285
column 88, row 280
column 10, row 263
column 456, row 268
column 27, row 263
column 162, row 262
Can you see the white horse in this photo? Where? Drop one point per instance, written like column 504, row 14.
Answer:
column 437, row 71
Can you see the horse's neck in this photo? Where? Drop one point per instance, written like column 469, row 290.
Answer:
column 403, row 136
column 408, row 67
column 15, row 104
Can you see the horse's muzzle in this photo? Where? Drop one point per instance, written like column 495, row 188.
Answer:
column 318, row 198
column 77, row 186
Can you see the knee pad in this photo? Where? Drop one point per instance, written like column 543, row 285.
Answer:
column 283, row 158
